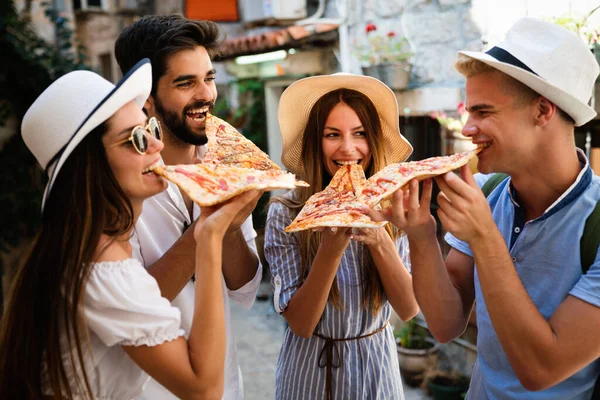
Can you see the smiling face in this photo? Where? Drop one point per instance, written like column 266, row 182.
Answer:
column 502, row 120
column 343, row 140
column 185, row 93
column 131, row 169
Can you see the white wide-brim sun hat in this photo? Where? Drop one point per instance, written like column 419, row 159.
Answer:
column 549, row 59
column 299, row 98
column 71, row 107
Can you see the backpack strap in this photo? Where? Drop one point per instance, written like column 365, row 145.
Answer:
column 492, row 183
column 590, row 240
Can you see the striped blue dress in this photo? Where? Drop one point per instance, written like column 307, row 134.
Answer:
column 368, row 367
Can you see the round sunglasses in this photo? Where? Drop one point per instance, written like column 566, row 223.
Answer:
column 138, row 136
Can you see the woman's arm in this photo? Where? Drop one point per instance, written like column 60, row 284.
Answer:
column 396, row 280
column 306, row 306
column 194, row 369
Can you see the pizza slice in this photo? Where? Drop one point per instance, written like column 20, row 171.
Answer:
column 227, row 146
column 384, row 183
column 210, row 184
column 336, row 205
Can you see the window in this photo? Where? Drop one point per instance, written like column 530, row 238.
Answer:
column 58, row 5
column 105, row 61
column 85, row 4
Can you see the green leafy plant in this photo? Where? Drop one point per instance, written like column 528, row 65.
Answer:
column 579, row 23
column 413, row 336
column 29, row 66
column 250, row 120
column 378, row 49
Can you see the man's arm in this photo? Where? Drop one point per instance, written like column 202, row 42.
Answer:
column 176, row 267
column 541, row 352
column 239, row 262
column 444, row 290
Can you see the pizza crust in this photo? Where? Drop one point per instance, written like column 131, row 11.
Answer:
column 339, row 204
column 210, row 184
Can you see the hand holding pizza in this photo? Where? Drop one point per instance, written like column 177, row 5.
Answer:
column 464, row 210
column 245, row 212
column 335, row 239
column 370, row 236
column 218, row 219
column 409, row 213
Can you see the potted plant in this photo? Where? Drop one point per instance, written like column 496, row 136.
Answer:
column 581, row 25
column 385, row 57
column 445, row 385
column 417, row 352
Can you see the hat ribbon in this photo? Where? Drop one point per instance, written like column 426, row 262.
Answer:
column 504, row 56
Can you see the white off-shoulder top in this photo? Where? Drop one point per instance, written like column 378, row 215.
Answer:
column 123, row 306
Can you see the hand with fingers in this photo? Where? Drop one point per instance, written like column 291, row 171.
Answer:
column 242, row 214
column 220, row 218
column 408, row 212
column 370, row 236
column 464, row 210
column 335, row 239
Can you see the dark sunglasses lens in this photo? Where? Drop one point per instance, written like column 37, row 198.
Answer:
column 139, row 140
column 155, row 128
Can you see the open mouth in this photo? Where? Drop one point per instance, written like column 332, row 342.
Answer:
column 340, row 163
column 150, row 169
column 484, row 145
column 197, row 114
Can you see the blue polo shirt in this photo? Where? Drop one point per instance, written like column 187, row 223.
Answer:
column 546, row 255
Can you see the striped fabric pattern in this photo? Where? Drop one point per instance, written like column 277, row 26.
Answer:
column 369, row 366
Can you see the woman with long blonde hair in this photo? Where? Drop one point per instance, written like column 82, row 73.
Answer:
column 336, row 287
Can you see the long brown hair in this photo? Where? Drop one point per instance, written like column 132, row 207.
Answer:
column 316, row 174
column 46, row 296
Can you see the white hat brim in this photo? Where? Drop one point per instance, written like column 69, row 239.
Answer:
column 299, row 98
column 579, row 111
column 134, row 86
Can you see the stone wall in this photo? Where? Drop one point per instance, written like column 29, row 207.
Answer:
column 437, row 29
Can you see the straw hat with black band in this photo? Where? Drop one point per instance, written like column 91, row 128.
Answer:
column 550, row 60
column 299, row 98
column 71, row 107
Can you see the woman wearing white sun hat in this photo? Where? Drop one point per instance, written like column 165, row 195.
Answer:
column 336, row 292
column 82, row 313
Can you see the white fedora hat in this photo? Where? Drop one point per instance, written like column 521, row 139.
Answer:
column 299, row 98
column 71, row 107
column 549, row 59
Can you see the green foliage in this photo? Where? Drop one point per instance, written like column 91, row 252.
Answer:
column 250, row 120
column 29, row 65
column 579, row 24
column 413, row 336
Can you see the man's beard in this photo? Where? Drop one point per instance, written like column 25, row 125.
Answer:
column 177, row 125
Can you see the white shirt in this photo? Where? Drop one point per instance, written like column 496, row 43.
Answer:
column 123, row 307
column 159, row 226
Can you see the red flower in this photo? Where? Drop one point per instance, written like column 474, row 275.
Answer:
column 370, row 28
column 461, row 108
column 391, row 34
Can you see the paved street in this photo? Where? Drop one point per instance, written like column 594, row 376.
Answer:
column 259, row 333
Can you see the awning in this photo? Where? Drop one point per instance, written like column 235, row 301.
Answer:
column 298, row 37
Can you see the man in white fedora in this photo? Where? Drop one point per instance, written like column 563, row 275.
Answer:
column 183, row 91
column 516, row 254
